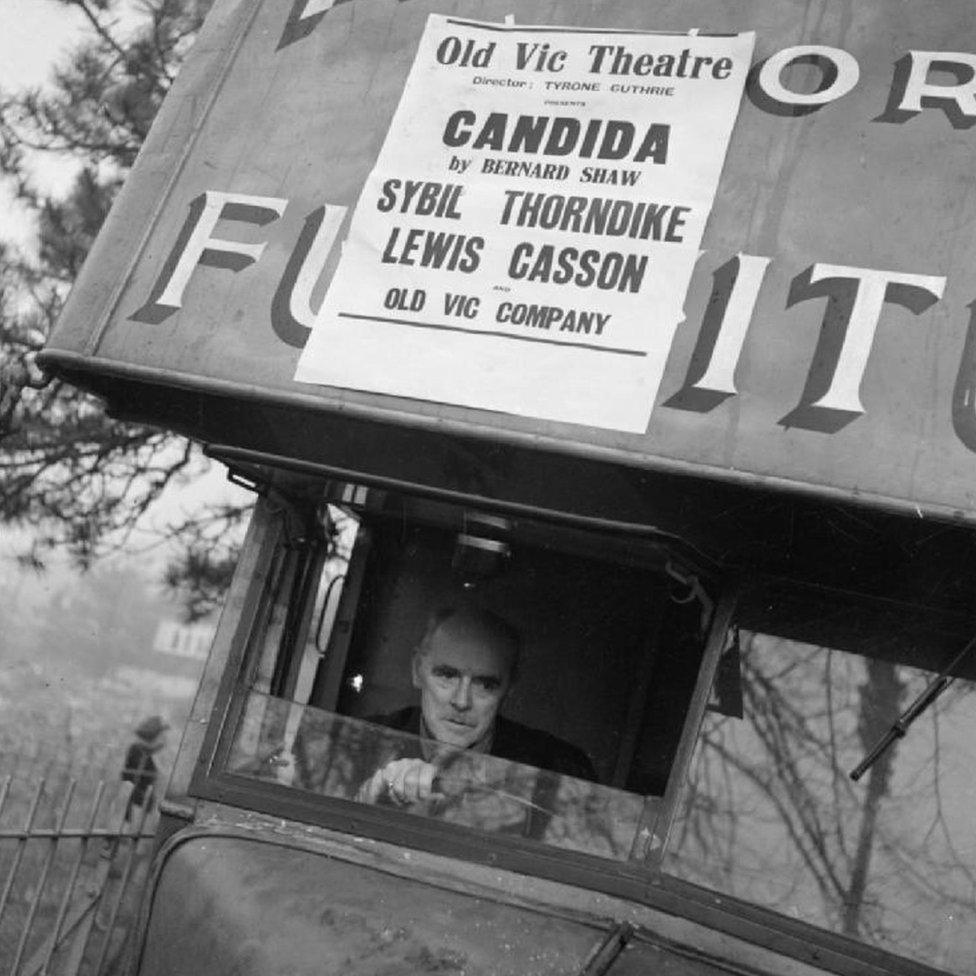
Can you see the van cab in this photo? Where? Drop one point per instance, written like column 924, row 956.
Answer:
column 711, row 473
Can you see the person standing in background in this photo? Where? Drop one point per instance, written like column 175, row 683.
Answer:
column 140, row 768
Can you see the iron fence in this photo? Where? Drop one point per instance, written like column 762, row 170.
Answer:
column 72, row 867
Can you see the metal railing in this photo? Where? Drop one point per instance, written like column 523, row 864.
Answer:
column 71, row 871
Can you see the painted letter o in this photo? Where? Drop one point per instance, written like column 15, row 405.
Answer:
column 770, row 74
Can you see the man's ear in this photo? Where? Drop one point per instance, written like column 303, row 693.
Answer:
column 415, row 669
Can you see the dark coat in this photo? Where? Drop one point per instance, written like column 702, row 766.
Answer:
column 139, row 770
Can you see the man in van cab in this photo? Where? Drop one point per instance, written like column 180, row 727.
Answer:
column 463, row 667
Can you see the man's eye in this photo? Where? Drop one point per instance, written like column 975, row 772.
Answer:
column 488, row 684
column 441, row 672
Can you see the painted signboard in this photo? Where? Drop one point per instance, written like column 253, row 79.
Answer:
column 826, row 341
column 529, row 231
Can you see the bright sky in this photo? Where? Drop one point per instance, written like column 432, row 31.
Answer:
column 34, row 35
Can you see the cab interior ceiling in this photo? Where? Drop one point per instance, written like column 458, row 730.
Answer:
column 840, row 567
column 647, row 552
column 603, row 539
column 833, row 575
column 715, row 524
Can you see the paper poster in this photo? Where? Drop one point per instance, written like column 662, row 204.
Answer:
column 526, row 238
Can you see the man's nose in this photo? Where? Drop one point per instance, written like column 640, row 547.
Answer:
column 462, row 693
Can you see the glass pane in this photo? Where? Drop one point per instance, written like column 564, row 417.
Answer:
column 770, row 814
column 315, row 751
column 284, row 579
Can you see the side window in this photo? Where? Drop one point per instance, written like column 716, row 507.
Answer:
column 485, row 675
column 771, row 815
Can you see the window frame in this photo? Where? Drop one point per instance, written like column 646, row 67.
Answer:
column 638, row 880
column 819, row 931
column 212, row 781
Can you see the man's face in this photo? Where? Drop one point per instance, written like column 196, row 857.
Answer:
column 463, row 677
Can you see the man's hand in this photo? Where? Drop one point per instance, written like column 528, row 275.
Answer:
column 402, row 781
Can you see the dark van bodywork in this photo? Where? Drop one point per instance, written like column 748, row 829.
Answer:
column 724, row 611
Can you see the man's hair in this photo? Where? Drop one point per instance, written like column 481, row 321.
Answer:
column 491, row 624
